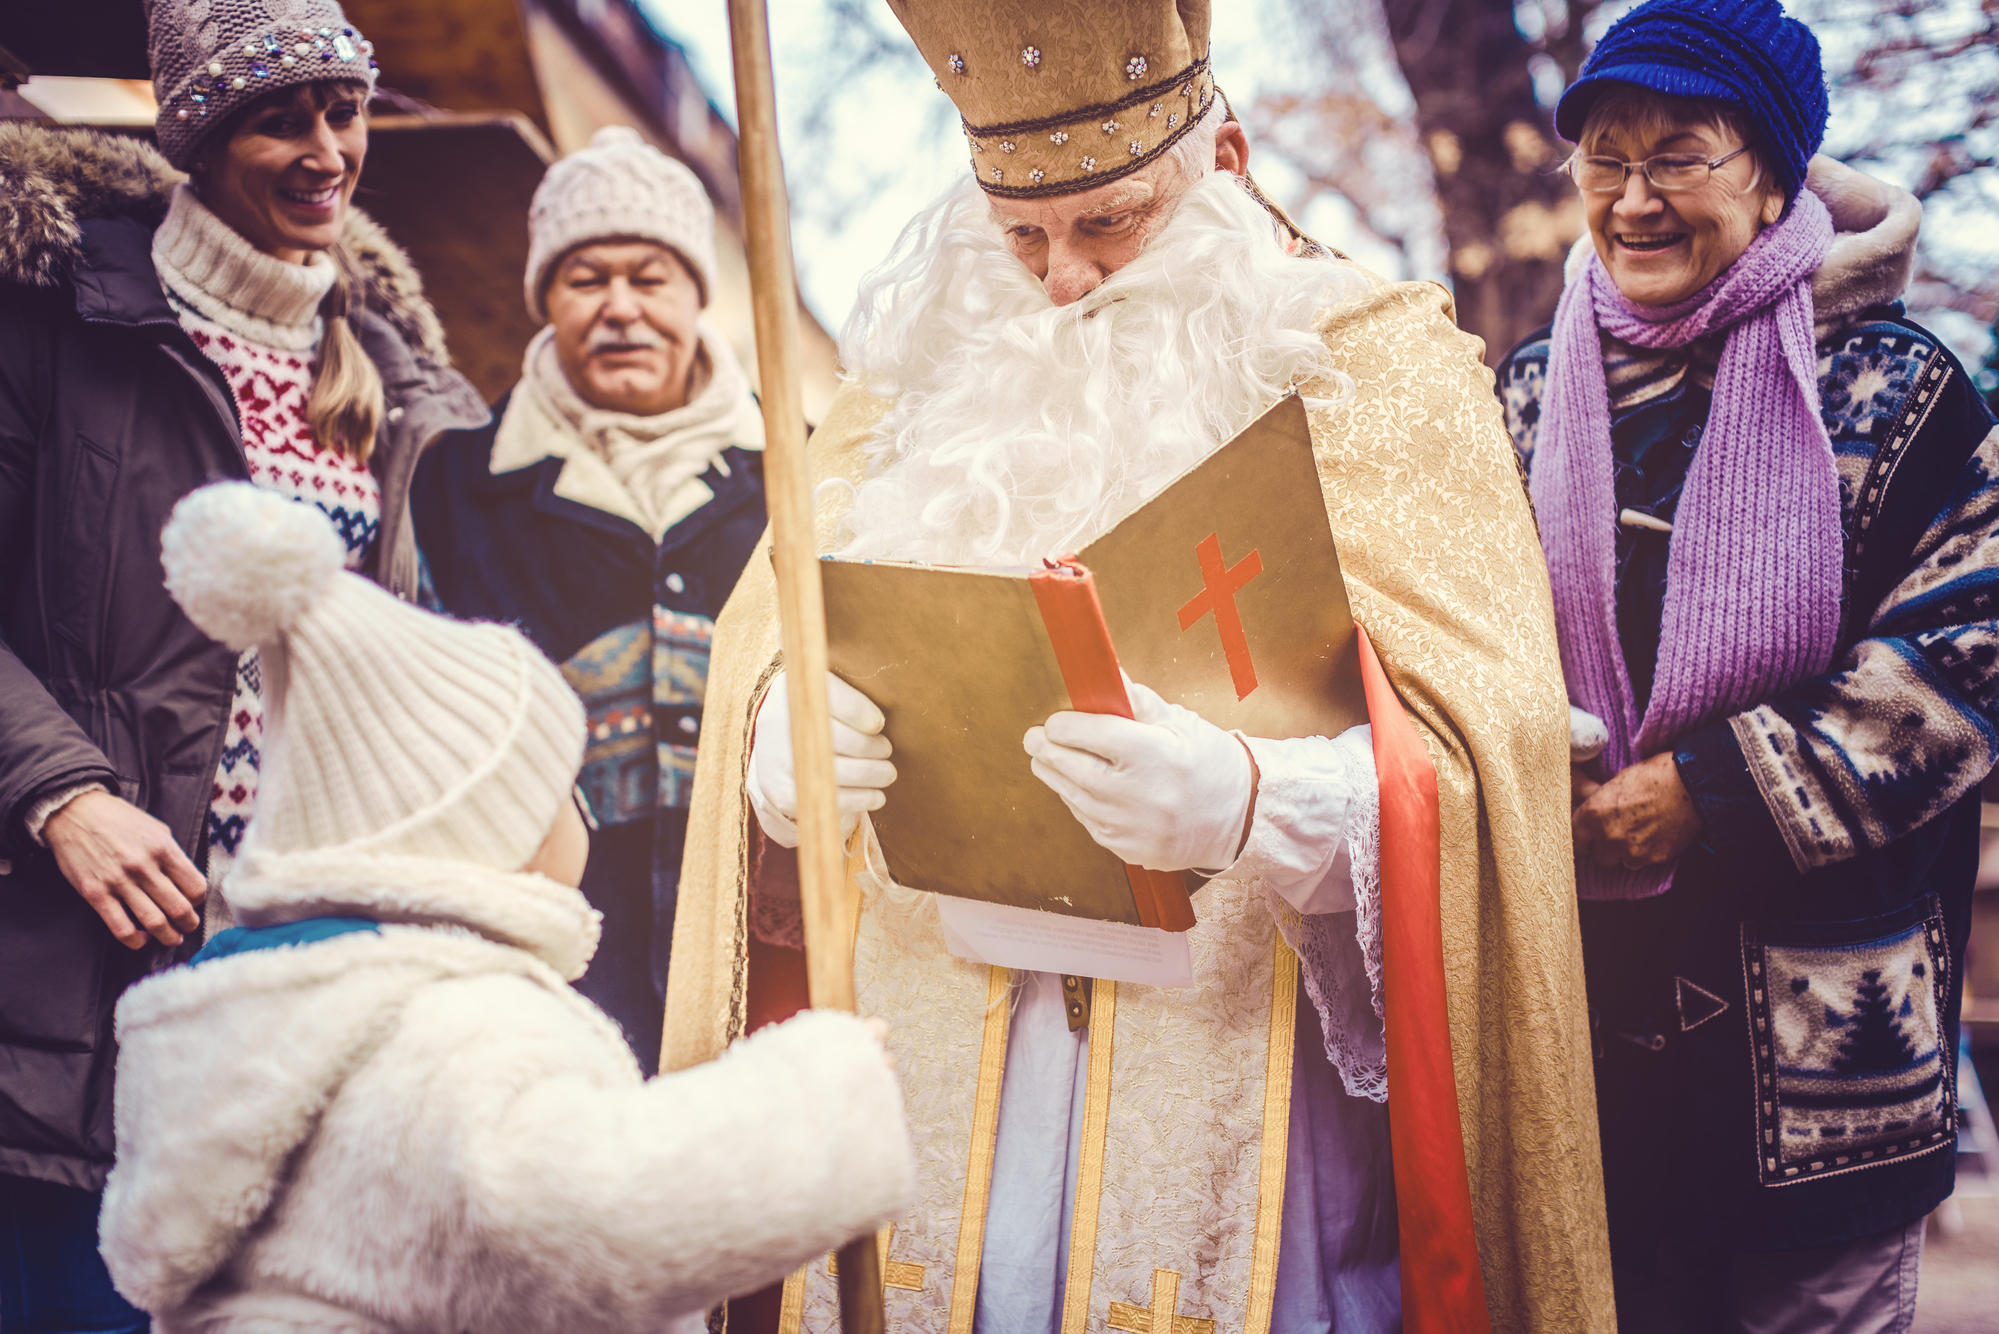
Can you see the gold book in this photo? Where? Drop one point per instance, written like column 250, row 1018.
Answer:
column 1223, row 593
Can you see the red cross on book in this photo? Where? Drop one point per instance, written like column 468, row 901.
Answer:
column 1220, row 584
column 1222, row 592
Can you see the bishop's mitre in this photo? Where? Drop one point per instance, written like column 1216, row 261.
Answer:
column 1059, row 97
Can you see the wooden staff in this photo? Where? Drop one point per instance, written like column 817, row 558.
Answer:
column 829, row 960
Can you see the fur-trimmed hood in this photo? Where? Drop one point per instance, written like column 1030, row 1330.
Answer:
column 530, row 912
column 53, row 180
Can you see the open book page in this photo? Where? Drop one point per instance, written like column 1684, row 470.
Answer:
column 992, row 933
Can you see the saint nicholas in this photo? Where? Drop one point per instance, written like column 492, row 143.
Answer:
column 1373, row 1109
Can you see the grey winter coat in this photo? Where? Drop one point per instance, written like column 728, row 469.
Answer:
column 108, row 415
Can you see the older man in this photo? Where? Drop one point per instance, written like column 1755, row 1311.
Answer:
column 1109, row 303
column 609, row 512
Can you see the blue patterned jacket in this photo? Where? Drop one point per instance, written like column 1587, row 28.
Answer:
column 629, row 622
column 1797, row 991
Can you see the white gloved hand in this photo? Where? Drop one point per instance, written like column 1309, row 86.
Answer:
column 860, row 760
column 1167, row 790
column 1587, row 735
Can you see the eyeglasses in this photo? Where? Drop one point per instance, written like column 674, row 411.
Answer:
column 1668, row 171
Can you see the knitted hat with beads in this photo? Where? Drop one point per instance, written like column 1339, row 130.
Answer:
column 1744, row 53
column 396, row 732
column 210, row 57
column 619, row 187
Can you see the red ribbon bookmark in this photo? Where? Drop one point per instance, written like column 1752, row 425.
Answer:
column 1066, row 593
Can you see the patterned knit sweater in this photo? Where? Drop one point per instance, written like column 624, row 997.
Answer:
column 257, row 319
column 1906, row 722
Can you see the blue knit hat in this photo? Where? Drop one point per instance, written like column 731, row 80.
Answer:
column 1744, row 53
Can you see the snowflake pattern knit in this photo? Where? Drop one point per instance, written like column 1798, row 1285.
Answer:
column 256, row 318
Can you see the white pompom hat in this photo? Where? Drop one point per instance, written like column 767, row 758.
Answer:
column 394, row 731
column 618, row 188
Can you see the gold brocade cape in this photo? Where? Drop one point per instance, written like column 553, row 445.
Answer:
column 1444, row 568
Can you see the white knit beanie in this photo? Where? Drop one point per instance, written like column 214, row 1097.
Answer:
column 620, row 186
column 395, row 731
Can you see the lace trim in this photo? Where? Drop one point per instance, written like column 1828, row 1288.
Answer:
column 777, row 921
column 1364, row 854
column 1330, row 944
column 776, row 915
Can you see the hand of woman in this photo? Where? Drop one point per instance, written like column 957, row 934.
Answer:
column 127, row 867
column 1641, row 817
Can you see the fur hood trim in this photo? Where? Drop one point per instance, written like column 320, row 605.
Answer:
column 1873, row 250
column 242, row 1057
column 1873, row 254
column 549, row 920
column 53, row 179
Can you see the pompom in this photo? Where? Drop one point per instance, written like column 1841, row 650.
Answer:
column 245, row 563
column 615, row 136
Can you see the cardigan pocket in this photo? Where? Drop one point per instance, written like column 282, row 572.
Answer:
column 1853, row 1065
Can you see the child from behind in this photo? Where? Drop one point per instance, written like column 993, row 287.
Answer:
column 377, row 1105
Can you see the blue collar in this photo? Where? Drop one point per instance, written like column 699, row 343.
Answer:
column 243, row 939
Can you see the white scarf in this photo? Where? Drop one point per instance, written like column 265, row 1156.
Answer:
column 653, row 457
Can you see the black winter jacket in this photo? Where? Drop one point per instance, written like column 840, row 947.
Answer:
column 108, row 415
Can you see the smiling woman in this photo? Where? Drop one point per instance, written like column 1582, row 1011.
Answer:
column 1768, row 505
column 159, row 331
column 281, row 172
column 1672, row 191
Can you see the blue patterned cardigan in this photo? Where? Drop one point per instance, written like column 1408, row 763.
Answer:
column 1907, row 722
column 1834, row 812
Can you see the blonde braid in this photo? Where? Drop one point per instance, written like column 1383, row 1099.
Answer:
column 347, row 406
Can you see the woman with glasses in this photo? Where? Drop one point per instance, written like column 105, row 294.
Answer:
column 1768, row 504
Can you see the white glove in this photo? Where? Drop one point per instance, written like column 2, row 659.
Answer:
column 1587, row 735
column 860, row 760
column 1167, row 790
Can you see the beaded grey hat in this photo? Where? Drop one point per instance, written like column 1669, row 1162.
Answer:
column 210, row 57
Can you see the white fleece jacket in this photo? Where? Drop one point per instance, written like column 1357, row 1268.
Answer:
column 427, row 1129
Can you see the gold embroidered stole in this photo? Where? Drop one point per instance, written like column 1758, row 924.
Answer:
column 1180, row 1184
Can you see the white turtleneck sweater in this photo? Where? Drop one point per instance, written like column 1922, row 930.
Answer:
column 257, row 318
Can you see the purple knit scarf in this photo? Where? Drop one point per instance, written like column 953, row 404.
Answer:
column 1753, row 573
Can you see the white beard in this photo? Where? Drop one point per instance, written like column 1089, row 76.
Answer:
column 1021, row 429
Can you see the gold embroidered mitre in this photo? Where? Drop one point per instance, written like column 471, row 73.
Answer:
column 1060, row 97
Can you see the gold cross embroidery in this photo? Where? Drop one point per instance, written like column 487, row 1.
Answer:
column 1164, row 1313
column 896, row 1273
